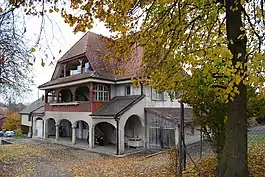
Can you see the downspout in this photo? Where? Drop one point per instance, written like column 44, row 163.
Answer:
column 117, row 135
column 142, row 89
column 31, row 129
column 145, row 129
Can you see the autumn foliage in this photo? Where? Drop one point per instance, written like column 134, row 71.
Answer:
column 12, row 121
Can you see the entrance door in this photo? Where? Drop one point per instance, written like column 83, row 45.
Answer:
column 39, row 128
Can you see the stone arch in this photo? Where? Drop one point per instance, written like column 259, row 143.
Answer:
column 105, row 133
column 114, row 125
column 75, row 123
column 82, row 129
column 65, row 128
column 50, row 127
column 134, row 129
column 134, row 115
column 38, row 127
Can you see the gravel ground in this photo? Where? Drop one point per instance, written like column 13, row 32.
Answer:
column 58, row 159
column 46, row 159
column 63, row 161
column 53, row 163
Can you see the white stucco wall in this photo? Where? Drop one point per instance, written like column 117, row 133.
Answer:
column 112, row 91
column 120, row 90
column 137, row 109
column 73, row 117
column 149, row 102
column 159, row 103
column 24, row 120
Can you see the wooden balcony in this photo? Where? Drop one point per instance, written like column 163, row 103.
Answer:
column 77, row 106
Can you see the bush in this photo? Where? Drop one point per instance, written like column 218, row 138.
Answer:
column 19, row 133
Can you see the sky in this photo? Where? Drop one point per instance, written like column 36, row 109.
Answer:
column 55, row 36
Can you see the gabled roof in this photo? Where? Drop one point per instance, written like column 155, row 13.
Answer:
column 33, row 106
column 39, row 111
column 118, row 105
column 172, row 114
column 94, row 47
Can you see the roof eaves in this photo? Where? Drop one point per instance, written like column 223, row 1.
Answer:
column 89, row 77
column 170, row 118
column 159, row 114
column 103, row 115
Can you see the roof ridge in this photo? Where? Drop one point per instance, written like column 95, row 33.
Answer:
column 85, row 35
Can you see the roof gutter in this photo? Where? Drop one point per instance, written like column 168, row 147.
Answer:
column 81, row 81
column 117, row 135
column 75, row 83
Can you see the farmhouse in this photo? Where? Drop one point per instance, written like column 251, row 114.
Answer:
column 85, row 101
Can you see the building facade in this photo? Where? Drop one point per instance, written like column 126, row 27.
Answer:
column 33, row 111
column 85, row 100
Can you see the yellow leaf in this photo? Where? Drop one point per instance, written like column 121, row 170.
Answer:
column 32, row 49
column 42, row 63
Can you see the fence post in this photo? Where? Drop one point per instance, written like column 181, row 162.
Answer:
column 200, row 143
column 182, row 150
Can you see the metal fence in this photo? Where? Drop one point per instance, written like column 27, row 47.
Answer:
column 162, row 137
column 190, row 153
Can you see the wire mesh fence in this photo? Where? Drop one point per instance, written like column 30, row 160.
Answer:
column 256, row 134
column 192, row 151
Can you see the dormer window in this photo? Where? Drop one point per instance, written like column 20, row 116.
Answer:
column 73, row 67
column 101, row 93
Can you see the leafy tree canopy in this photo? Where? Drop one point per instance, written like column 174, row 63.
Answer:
column 15, row 56
column 223, row 38
column 190, row 35
column 12, row 121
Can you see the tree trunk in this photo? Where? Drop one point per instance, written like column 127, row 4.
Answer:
column 233, row 159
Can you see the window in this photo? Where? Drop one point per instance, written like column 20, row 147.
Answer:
column 157, row 95
column 127, row 90
column 101, row 93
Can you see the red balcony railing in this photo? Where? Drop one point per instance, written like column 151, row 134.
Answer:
column 69, row 107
